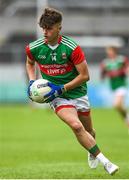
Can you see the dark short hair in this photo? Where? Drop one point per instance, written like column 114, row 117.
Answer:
column 50, row 17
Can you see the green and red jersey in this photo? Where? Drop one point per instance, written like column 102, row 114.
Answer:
column 57, row 65
column 115, row 70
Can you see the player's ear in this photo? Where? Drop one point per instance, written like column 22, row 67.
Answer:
column 60, row 27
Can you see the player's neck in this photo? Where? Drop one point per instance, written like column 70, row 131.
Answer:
column 54, row 41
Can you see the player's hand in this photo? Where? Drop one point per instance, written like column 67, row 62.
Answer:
column 28, row 90
column 56, row 91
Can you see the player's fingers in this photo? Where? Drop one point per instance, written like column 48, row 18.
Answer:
column 49, row 94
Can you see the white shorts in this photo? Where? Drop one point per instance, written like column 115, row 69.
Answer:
column 81, row 104
column 122, row 91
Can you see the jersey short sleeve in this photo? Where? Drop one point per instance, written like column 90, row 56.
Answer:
column 29, row 53
column 77, row 55
column 126, row 61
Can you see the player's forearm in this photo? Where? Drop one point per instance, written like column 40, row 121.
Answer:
column 30, row 71
column 76, row 82
column 127, row 71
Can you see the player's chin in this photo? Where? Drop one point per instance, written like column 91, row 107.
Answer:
column 46, row 38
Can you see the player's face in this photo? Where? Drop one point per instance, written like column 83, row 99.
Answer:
column 111, row 53
column 51, row 34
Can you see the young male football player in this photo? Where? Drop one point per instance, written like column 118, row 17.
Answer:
column 116, row 68
column 62, row 62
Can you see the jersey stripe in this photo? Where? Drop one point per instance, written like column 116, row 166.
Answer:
column 40, row 39
column 71, row 42
column 68, row 45
column 36, row 42
column 32, row 47
column 73, row 46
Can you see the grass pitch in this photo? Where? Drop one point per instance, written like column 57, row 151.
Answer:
column 35, row 144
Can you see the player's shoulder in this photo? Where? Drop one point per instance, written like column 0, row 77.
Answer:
column 122, row 57
column 69, row 42
column 68, row 39
column 37, row 43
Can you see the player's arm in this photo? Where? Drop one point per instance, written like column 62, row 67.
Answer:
column 79, row 61
column 83, row 76
column 127, row 71
column 30, row 64
column 102, row 71
column 30, row 67
column 126, row 66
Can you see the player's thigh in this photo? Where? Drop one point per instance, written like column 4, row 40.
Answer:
column 118, row 101
column 119, row 96
column 69, row 116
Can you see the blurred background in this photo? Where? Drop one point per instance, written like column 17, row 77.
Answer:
column 94, row 24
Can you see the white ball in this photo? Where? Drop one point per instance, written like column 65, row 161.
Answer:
column 38, row 89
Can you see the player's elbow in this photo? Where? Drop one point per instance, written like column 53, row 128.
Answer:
column 86, row 77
